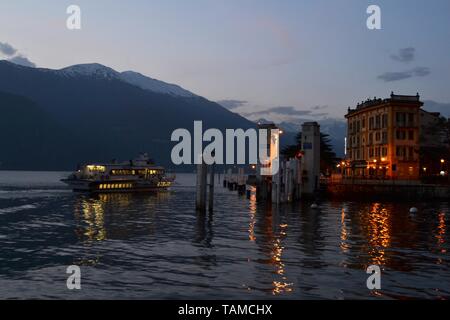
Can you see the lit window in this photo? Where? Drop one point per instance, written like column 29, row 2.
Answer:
column 95, row 168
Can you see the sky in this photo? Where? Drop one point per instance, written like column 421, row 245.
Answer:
column 261, row 58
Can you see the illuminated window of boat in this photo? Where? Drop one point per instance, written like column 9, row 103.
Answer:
column 95, row 168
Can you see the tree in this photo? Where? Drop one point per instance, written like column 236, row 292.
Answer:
column 328, row 157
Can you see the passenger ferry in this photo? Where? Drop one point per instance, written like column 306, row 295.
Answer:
column 138, row 175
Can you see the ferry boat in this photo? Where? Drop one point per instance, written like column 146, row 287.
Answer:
column 138, row 175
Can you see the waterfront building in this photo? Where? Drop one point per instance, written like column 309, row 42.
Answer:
column 383, row 138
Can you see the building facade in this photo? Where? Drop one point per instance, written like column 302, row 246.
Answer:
column 383, row 138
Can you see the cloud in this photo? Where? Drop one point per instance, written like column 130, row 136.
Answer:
column 421, row 71
column 14, row 56
column 291, row 111
column 396, row 76
column 405, row 55
column 7, row 49
column 22, row 60
column 232, row 104
column 319, row 107
column 287, row 111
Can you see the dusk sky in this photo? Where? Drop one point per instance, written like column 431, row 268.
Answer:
column 297, row 57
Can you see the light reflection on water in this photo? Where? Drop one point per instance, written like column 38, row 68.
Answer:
column 157, row 246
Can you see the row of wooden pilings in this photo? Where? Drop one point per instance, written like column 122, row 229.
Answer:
column 235, row 182
column 283, row 187
column 205, row 186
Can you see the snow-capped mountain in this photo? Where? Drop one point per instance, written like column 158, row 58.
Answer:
column 131, row 77
column 154, row 85
column 88, row 112
column 90, row 69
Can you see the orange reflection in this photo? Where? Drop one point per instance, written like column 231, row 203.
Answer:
column 91, row 212
column 344, row 233
column 379, row 233
column 283, row 286
column 440, row 232
column 252, row 207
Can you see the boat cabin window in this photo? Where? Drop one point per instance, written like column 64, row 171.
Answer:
column 94, row 168
column 133, row 172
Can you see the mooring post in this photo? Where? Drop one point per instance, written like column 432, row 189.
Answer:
column 276, row 182
column 311, row 158
column 211, row 189
column 201, row 186
column 297, row 179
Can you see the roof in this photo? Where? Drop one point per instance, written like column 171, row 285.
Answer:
column 375, row 102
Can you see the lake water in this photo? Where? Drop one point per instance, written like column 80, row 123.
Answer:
column 156, row 246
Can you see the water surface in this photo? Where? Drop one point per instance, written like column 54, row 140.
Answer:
column 156, row 246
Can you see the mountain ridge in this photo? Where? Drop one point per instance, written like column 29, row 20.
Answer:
column 101, row 71
column 108, row 117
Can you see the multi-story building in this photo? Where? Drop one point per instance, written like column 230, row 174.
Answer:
column 383, row 138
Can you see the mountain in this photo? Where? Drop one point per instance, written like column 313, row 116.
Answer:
column 95, row 70
column 93, row 114
column 31, row 138
column 433, row 106
column 102, row 72
column 154, row 85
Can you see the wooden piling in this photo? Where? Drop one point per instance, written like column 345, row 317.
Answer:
column 211, row 189
column 201, row 186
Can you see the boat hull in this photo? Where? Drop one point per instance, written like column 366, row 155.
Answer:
column 119, row 186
